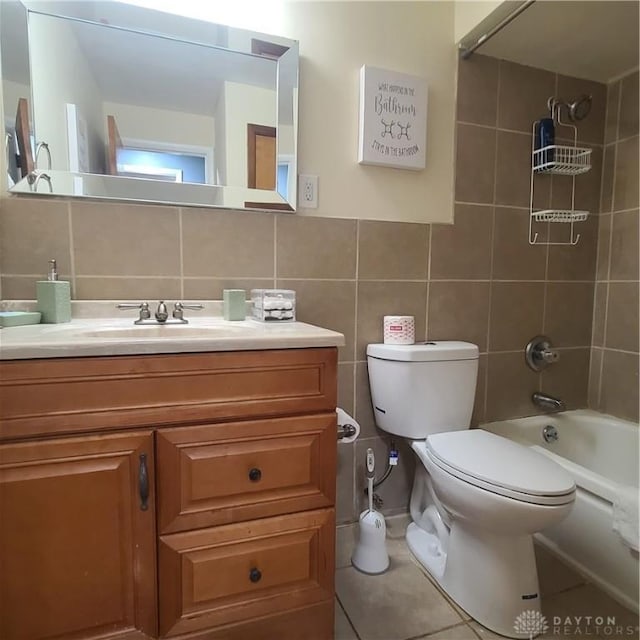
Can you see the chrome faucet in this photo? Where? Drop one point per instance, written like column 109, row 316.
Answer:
column 547, row 402
column 161, row 313
column 179, row 307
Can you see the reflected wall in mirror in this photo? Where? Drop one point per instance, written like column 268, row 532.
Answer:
column 134, row 104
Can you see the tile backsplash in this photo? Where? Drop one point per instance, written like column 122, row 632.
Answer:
column 476, row 280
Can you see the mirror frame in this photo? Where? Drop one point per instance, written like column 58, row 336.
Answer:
column 283, row 50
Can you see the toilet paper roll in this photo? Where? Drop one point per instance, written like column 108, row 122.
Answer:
column 399, row 330
column 343, row 419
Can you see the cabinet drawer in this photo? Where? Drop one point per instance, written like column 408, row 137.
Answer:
column 241, row 571
column 84, row 394
column 223, row 473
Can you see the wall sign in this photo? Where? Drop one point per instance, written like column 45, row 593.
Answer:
column 393, row 119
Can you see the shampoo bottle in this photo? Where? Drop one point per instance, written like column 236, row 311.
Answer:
column 54, row 297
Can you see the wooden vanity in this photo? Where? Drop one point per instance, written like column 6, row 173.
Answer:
column 176, row 495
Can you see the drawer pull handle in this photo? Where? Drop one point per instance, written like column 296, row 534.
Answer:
column 143, row 482
column 255, row 474
column 255, row 575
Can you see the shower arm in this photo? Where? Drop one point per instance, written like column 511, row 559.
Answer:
column 467, row 52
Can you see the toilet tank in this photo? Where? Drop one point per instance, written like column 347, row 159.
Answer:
column 421, row 389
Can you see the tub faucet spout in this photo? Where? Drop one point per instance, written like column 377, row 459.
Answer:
column 547, row 402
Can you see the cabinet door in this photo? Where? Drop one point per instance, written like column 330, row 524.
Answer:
column 77, row 537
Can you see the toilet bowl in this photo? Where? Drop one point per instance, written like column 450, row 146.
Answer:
column 477, row 498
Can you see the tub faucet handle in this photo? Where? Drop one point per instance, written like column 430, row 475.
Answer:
column 540, row 353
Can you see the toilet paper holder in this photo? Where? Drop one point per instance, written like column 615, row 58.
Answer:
column 346, row 431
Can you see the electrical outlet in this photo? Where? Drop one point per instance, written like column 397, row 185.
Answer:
column 308, row 192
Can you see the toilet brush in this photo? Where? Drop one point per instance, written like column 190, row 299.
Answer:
column 370, row 553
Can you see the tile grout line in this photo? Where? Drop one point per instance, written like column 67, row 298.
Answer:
column 72, row 257
column 485, row 391
column 181, row 242
column 346, row 615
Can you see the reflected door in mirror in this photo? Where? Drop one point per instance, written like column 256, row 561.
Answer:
column 261, row 156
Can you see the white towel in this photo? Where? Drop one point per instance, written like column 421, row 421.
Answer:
column 626, row 514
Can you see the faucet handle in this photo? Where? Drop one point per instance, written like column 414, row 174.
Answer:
column 540, row 352
column 179, row 307
column 145, row 314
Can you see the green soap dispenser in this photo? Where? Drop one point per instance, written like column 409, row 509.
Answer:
column 54, row 297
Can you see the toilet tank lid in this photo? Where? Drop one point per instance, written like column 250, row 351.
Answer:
column 434, row 351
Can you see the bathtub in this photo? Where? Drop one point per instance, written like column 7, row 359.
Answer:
column 601, row 453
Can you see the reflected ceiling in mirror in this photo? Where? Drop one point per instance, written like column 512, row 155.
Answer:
column 128, row 103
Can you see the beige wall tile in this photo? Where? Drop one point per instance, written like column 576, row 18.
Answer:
column 629, row 107
column 604, row 238
column 463, row 250
column 346, row 394
column 523, row 95
column 477, row 98
column 393, row 251
column 568, row 313
column 24, row 287
column 379, row 299
column 608, row 167
column 329, row 304
column 212, row 288
column 591, row 129
column 345, row 511
column 620, row 385
column 622, row 316
column 459, row 311
column 396, row 490
column 475, row 160
column 599, row 313
column 611, row 122
column 32, row 232
column 568, row 379
column 625, row 190
column 577, row 262
column 478, row 416
column 233, row 244
column 516, row 314
column 510, row 384
column 513, row 173
column 149, row 290
column 125, row 240
column 513, row 257
column 593, row 401
column 315, row 247
column 364, row 407
column 625, row 246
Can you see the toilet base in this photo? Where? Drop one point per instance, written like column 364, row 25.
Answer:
column 492, row 577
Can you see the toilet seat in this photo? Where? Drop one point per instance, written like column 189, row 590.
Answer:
column 500, row 466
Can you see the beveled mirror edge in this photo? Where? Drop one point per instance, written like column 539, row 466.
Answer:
column 252, row 199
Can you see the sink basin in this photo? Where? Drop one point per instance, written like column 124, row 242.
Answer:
column 171, row 331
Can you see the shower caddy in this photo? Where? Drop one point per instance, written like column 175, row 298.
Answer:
column 565, row 160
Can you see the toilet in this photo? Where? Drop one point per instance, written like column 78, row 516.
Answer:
column 477, row 498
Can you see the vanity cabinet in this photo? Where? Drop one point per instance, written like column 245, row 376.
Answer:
column 183, row 495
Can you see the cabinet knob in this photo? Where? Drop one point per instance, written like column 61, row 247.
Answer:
column 255, row 574
column 255, row 474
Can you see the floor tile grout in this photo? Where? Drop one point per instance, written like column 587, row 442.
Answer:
column 346, row 615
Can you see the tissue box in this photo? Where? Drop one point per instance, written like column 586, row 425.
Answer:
column 273, row 305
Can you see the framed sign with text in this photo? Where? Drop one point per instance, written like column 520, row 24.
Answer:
column 393, row 119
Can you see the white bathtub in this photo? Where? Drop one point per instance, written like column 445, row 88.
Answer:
column 601, row 453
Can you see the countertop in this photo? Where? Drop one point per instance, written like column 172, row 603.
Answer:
column 119, row 336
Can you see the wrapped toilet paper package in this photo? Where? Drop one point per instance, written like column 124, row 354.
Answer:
column 399, row 330
column 345, row 419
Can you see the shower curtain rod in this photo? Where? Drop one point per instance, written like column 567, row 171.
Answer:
column 466, row 52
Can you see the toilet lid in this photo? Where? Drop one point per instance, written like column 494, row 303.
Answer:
column 496, row 463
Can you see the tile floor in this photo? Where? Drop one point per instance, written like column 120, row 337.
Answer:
column 404, row 603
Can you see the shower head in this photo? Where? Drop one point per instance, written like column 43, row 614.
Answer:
column 577, row 110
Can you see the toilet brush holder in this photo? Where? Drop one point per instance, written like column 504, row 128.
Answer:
column 370, row 553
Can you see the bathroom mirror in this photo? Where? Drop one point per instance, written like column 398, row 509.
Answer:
column 108, row 100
